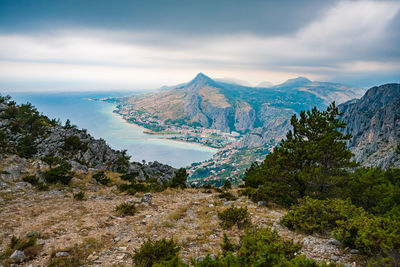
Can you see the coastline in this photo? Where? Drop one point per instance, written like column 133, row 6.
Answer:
column 214, row 150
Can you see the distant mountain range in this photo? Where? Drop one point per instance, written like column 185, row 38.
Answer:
column 232, row 107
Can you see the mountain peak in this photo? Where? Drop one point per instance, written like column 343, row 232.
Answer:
column 201, row 79
column 299, row 81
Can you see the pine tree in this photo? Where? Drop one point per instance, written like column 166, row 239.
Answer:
column 306, row 162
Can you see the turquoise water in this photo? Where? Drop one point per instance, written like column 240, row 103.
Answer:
column 101, row 122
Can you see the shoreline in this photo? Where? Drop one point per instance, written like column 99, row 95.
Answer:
column 216, row 150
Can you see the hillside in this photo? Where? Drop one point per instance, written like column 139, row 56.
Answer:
column 374, row 123
column 231, row 107
column 98, row 211
column 32, row 137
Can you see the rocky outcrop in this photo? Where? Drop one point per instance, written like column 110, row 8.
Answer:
column 374, row 123
column 245, row 117
column 87, row 154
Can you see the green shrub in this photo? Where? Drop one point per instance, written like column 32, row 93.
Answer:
column 228, row 196
column 259, row 194
column 26, row 245
column 101, row 178
column 122, row 163
column 320, row 216
column 61, row 174
column 227, row 245
column 42, row 186
column 153, row 252
column 374, row 189
column 51, row 160
column 174, row 262
column 77, row 257
column 26, row 147
column 126, row 209
column 374, row 235
column 32, row 179
column 261, row 247
column 3, row 142
column 79, row 196
column 233, row 216
column 179, row 180
column 131, row 191
column 227, row 185
column 74, row 143
column 129, row 176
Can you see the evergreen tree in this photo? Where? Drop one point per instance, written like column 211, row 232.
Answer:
column 306, row 162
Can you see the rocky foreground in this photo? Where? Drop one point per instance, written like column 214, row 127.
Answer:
column 103, row 238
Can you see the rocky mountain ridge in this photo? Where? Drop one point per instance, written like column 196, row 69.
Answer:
column 231, row 107
column 374, row 123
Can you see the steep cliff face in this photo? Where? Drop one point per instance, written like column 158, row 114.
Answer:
column 245, row 117
column 374, row 123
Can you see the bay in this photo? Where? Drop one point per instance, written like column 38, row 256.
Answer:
column 101, row 122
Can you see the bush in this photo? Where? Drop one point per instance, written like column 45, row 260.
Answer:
column 42, row 186
column 62, row 174
column 32, row 179
column 376, row 236
column 320, row 216
column 79, row 196
column 227, row 185
column 101, row 178
column 26, row 147
column 374, row 189
column 122, row 163
column 227, row 245
column 259, row 194
column 51, row 160
column 234, row 216
column 26, row 245
column 228, row 196
column 77, row 257
column 131, row 191
column 74, row 143
column 126, row 209
column 179, row 178
column 151, row 253
column 261, row 247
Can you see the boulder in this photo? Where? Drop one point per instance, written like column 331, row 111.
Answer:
column 18, row 256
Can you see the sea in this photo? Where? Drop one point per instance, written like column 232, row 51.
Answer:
column 100, row 121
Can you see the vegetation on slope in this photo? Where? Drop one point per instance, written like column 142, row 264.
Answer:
column 312, row 171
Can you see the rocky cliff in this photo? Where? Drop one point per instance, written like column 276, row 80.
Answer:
column 374, row 123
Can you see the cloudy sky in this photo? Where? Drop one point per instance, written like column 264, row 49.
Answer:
column 129, row 45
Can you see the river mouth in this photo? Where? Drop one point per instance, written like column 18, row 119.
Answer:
column 101, row 122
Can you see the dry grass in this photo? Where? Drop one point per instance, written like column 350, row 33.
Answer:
column 188, row 216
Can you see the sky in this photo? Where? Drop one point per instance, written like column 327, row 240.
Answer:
column 84, row 45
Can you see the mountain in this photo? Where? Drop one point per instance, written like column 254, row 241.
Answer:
column 374, row 123
column 265, row 84
column 231, row 107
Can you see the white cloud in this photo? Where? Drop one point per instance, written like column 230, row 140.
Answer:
column 340, row 40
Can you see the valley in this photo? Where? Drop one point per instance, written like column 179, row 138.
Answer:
column 243, row 123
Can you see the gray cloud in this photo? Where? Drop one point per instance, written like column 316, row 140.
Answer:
column 339, row 40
